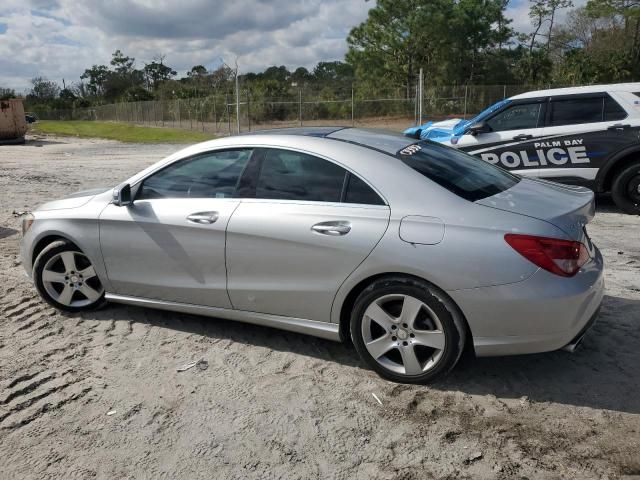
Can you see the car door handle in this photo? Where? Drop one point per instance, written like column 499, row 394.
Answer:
column 203, row 217
column 522, row 137
column 334, row 229
column 619, row 126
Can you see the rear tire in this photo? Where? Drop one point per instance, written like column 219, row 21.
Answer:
column 402, row 329
column 626, row 189
column 64, row 277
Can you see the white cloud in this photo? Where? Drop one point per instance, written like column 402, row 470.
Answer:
column 60, row 38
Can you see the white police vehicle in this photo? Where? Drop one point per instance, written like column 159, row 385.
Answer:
column 587, row 136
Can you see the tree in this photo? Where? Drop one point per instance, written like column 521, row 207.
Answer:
column 156, row 72
column 332, row 72
column 197, row 71
column 448, row 39
column 122, row 64
column 629, row 12
column 542, row 11
column 301, row 75
column 97, row 76
column 43, row 89
column 7, row 93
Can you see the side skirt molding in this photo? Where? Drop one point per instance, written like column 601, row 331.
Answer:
column 329, row 331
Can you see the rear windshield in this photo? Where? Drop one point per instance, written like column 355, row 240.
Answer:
column 468, row 177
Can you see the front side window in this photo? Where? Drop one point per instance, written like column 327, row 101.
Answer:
column 572, row 111
column 288, row 175
column 209, row 175
column 462, row 174
column 516, row 117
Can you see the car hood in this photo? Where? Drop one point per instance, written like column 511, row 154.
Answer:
column 565, row 206
column 74, row 200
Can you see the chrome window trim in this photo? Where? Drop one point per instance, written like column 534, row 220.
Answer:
column 139, row 181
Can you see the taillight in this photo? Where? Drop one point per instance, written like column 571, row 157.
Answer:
column 562, row 257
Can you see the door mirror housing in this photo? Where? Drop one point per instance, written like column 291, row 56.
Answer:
column 477, row 128
column 122, row 195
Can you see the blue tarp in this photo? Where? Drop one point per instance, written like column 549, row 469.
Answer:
column 447, row 129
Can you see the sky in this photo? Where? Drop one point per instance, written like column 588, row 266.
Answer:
column 58, row 39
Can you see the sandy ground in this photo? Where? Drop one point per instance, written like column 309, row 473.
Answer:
column 280, row 405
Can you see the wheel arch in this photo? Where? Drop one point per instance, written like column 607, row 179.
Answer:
column 617, row 163
column 350, row 299
column 47, row 240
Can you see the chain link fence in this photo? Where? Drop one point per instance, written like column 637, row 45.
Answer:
column 229, row 114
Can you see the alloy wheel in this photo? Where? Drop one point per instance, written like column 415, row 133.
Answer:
column 403, row 334
column 70, row 279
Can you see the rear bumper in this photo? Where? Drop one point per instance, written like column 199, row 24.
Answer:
column 573, row 344
column 543, row 313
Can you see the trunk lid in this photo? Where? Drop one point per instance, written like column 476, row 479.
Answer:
column 567, row 207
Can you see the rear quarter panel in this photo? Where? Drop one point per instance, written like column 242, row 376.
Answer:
column 472, row 253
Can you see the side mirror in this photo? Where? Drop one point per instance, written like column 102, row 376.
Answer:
column 122, row 195
column 477, row 128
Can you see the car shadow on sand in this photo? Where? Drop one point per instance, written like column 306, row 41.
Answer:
column 602, row 373
column 605, row 204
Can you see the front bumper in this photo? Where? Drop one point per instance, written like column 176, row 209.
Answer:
column 543, row 313
column 25, row 255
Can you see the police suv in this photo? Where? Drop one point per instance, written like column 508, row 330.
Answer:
column 587, row 136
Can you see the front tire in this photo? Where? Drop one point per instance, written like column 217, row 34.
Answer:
column 66, row 279
column 402, row 329
column 626, row 189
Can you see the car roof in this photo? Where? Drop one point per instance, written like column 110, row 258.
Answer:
column 613, row 87
column 382, row 140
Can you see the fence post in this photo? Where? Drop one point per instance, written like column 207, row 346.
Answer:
column 179, row 115
column 353, row 121
column 415, row 106
column 504, row 92
column 420, row 84
column 466, row 87
column 300, row 105
column 215, row 115
column 226, row 102
column 249, row 109
column 237, row 102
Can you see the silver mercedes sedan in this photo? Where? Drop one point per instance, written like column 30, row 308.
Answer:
column 413, row 250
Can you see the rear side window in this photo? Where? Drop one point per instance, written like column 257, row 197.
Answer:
column 288, row 175
column 577, row 110
column 359, row 192
column 462, row 174
column 516, row 117
column 209, row 175
column 612, row 110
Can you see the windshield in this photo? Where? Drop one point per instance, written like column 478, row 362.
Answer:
column 459, row 129
column 462, row 174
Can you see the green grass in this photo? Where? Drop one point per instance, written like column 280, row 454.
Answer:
column 122, row 132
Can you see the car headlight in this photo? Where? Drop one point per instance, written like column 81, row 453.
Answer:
column 27, row 221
